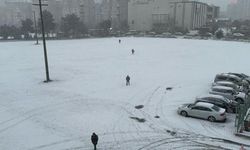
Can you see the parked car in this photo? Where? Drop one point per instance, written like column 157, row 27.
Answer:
column 228, row 77
column 219, row 101
column 229, row 93
column 203, row 110
column 245, row 79
column 240, row 75
column 228, row 84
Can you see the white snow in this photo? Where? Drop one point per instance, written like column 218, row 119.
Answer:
column 89, row 95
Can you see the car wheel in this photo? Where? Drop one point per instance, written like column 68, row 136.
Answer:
column 211, row 119
column 239, row 100
column 184, row 113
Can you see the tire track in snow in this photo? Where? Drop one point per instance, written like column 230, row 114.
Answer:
column 14, row 121
column 151, row 96
column 197, row 136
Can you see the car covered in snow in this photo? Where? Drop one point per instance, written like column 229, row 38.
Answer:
column 229, row 93
column 219, row 101
column 240, row 75
column 228, row 84
column 203, row 110
column 228, row 77
column 245, row 79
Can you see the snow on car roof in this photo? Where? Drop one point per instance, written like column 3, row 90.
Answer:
column 222, row 87
column 212, row 95
column 204, row 104
column 230, row 75
column 225, row 82
column 241, row 75
column 219, row 97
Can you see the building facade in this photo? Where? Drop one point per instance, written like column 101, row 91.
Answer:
column 213, row 12
column 188, row 14
column 239, row 10
column 143, row 15
column 87, row 13
column 13, row 12
column 140, row 14
column 114, row 10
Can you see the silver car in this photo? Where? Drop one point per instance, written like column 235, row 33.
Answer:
column 229, row 93
column 219, row 101
column 228, row 84
column 203, row 110
column 228, row 77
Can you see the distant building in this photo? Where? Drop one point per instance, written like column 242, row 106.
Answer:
column 105, row 10
column 71, row 7
column 119, row 13
column 213, row 12
column 13, row 12
column 189, row 14
column 185, row 14
column 240, row 10
column 2, row 15
column 87, row 13
column 114, row 10
column 55, row 7
column 140, row 13
column 98, row 13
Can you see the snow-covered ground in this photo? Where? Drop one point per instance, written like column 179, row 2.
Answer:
column 88, row 94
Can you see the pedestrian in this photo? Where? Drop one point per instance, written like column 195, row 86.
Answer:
column 120, row 41
column 127, row 80
column 94, row 139
column 242, row 147
column 133, row 51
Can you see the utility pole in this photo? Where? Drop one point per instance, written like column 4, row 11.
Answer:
column 34, row 13
column 44, row 41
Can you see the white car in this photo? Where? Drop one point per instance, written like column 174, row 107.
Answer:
column 203, row 110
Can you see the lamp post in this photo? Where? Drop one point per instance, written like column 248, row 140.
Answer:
column 44, row 42
column 34, row 13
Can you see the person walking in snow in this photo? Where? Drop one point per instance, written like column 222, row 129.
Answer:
column 94, row 140
column 133, row 51
column 120, row 41
column 127, row 80
column 242, row 147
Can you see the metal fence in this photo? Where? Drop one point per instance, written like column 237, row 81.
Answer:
column 241, row 112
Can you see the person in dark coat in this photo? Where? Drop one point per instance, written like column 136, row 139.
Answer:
column 133, row 51
column 94, row 139
column 120, row 40
column 127, row 80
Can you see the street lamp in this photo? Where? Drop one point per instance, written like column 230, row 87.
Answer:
column 34, row 13
column 44, row 42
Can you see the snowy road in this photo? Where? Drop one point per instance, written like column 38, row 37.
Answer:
column 88, row 94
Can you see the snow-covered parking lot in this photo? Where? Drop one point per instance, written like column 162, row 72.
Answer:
column 88, row 94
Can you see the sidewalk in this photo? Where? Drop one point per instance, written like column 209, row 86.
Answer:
column 243, row 134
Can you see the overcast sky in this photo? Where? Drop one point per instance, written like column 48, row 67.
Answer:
column 222, row 3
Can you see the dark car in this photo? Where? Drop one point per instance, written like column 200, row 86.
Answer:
column 219, row 101
column 240, row 75
column 228, row 77
column 245, row 79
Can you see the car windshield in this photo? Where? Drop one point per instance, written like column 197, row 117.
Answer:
column 216, row 108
